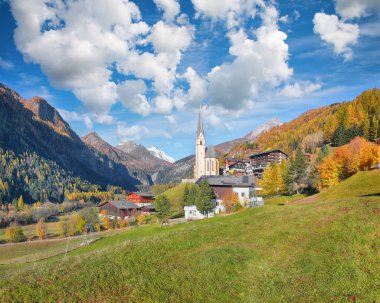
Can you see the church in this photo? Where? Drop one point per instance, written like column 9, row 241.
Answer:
column 206, row 162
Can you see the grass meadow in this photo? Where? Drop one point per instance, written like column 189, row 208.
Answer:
column 321, row 250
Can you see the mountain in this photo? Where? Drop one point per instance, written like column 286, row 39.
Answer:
column 35, row 126
column 183, row 168
column 137, row 168
column 156, row 152
column 225, row 147
column 336, row 123
column 142, row 154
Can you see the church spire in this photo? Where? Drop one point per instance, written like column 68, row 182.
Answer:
column 200, row 122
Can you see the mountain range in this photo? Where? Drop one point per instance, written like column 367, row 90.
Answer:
column 35, row 126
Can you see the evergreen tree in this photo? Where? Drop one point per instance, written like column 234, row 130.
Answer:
column 193, row 195
column 185, row 196
column 162, row 206
column 206, row 194
column 297, row 177
column 373, row 129
column 366, row 128
column 339, row 137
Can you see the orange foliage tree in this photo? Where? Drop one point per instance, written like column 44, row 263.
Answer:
column 230, row 201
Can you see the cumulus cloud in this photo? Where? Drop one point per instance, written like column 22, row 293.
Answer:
column 87, row 118
column 164, row 105
column 298, row 90
column 197, row 86
column 132, row 133
column 131, row 93
column 259, row 63
column 170, row 38
column 350, row 9
column 339, row 34
column 170, row 7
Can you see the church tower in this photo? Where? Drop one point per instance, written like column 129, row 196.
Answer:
column 200, row 149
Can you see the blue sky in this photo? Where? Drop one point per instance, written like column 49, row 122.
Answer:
column 138, row 70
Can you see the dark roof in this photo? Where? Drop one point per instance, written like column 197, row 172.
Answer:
column 200, row 123
column 243, row 181
column 210, row 153
column 124, row 204
column 237, row 160
column 268, row 152
column 141, row 194
column 148, row 207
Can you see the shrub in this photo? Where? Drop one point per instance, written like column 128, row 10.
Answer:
column 14, row 233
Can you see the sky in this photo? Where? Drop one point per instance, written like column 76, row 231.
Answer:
column 140, row 70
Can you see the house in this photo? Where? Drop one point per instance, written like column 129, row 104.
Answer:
column 119, row 209
column 234, row 166
column 260, row 161
column 141, row 199
column 242, row 186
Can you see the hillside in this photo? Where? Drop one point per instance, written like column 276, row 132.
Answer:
column 325, row 251
column 183, row 168
column 35, row 126
column 318, row 126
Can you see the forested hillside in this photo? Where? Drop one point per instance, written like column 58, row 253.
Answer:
column 337, row 124
column 35, row 126
column 36, row 179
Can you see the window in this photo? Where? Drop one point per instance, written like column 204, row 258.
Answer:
column 242, row 194
column 200, row 142
column 208, row 165
column 213, row 165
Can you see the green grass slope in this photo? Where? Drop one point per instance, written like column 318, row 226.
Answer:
column 325, row 251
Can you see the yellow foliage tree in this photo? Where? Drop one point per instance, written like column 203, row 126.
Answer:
column 230, row 201
column 41, row 229
column 272, row 181
column 329, row 172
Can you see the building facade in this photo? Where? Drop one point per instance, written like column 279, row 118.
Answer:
column 260, row 161
column 206, row 163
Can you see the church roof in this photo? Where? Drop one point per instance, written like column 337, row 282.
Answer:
column 200, row 123
column 210, row 153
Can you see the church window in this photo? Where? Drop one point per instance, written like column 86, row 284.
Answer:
column 200, row 142
column 213, row 165
column 208, row 165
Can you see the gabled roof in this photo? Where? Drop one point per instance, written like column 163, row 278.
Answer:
column 124, row 204
column 268, row 152
column 210, row 153
column 230, row 181
column 141, row 194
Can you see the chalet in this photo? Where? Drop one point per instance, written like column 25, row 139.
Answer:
column 260, row 161
column 234, row 166
column 119, row 209
column 242, row 186
column 140, row 199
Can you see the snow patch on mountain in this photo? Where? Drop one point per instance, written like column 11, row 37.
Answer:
column 263, row 128
column 158, row 153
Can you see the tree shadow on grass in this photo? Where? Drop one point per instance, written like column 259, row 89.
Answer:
column 371, row 195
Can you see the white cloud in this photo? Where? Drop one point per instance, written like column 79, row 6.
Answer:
column 164, row 105
column 87, row 119
column 216, row 8
column 76, row 43
column 5, row 64
column 298, row 90
column 133, row 133
column 339, row 34
column 170, row 7
column 197, row 87
column 350, row 9
column 259, row 63
column 131, row 93
column 171, row 119
column 170, row 38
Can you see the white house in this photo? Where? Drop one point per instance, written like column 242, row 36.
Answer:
column 243, row 186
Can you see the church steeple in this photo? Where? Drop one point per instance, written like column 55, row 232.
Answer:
column 200, row 122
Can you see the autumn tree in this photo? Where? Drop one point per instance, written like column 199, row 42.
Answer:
column 20, row 203
column 373, row 129
column 297, row 173
column 329, row 172
column 75, row 224
column 272, row 181
column 162, row 206
column 14, row 233
column 41, row 229
column 230, row 201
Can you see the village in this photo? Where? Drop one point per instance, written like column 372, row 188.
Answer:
column 234, row 182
